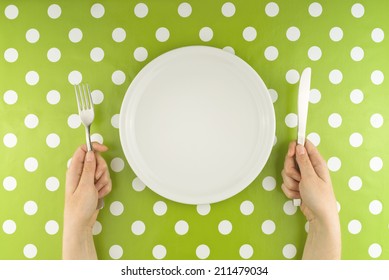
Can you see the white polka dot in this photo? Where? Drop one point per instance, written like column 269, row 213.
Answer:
column 138, row 227
column 53, row 55
column 375, row 250
column 53, row 97
column 269, row 183
column 225, row 227
column 54, row 11
column 181, row 227
column 376, row 120
column 53, row 140
column 30, row 208
column 273, row 95
column 31, row 164
column 357, row 10
column 314, row 96
column 289, row 251
column 159, row 252
column 354, row 226
column 138, row 185
column 9, row 183
column 356, row 139
column 377, row 77
column 141, row 10
column 206, row 34
column 314, row 53
column 160, row 208
column 356, row 96
column 184, row 10
column 11, row 12
column 115, row 120
column 97, row 96
column 202, row 251
column 10, row 140
column 357, row 53
column 272, row 9
column 335, row 76
column 118, row 77
column 271, row 53
column 97, row 228
column 268, row 227
column 314, row 138
column 376, row 164
column 249, row 34
column 293, row 33
column 52, row 184
column 289, row 208
column 75, row 35
column 228, row 9
column 117, row 164
column 292, row 76
column 247, row 207
column 355, row 183
column 116, row 252
column 162, row 34
column 52, row 227
column 31, row 121
column 377, row 35
column 11, row 55
column 203, row 209
column 96, row 137
column 291, row 120
column 334, row 164
column 32, row 36
column 140, row 54
column 375, row 207
column 246, row 251
column 336, row 34
column 97, row 10
column 116, row 208
column 119, row 35
column 10, row 97
column 74, row 121
column 30, row 251
column 335, row 120
column 32, row 78
column 97, row 54
column 9, row 227
column 75, row 77
column 315, row 9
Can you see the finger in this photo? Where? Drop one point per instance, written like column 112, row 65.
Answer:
column 318, row 163
column 74, row 172
column 103, row 181
column 88, row 172
column 105, row 190
column 290, row 193
column 304, row 163
column 290, row 165
column 102, row 166
column 97, row 147
column 290, row 182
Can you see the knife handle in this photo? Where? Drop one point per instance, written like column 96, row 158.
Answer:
column 300, row 141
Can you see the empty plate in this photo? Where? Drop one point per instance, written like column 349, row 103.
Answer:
column 197, row 125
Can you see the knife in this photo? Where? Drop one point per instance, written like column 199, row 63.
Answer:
column 302, row 107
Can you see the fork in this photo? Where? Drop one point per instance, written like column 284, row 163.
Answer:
column 87, row 115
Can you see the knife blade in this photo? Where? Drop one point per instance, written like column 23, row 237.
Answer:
column 302, row 107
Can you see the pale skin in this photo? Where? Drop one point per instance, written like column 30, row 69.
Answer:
column 306, row 176
column 87, row 180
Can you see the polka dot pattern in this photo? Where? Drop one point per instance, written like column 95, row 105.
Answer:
column 41, row 60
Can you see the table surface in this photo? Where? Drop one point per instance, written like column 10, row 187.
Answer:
column 46, row 47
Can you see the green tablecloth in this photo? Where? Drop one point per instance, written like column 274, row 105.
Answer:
column 48, row 45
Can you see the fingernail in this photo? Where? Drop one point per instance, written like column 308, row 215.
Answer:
column 90, row 156
column 300, row 150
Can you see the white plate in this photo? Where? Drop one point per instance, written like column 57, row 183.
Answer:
column 197, row 125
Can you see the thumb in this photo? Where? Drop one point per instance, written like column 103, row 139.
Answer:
column 304, row 163
column 88, row 172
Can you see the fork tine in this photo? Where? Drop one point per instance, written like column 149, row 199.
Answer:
column 90, row 97
column 78, row 98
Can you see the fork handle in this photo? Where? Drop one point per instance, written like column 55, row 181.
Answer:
column 100, row 202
